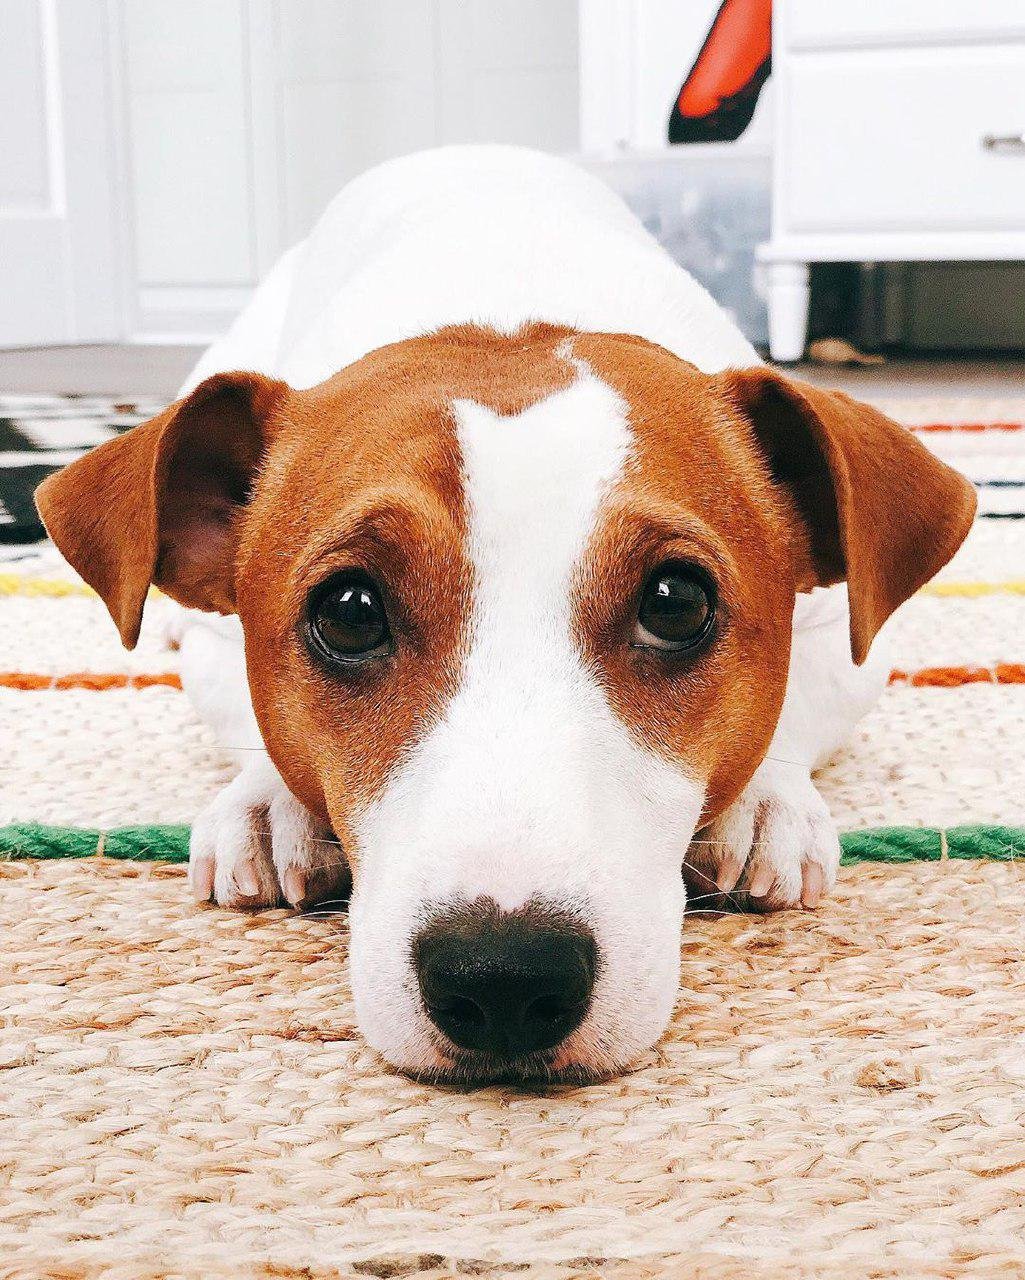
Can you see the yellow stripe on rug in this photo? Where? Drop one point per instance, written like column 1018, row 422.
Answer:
column 22, row 584
column 27, row 584
column 969, row 590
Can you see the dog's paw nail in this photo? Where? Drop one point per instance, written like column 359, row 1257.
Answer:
column 294, row 885
column 812, row 885
column 201, row 878
column 245, row 879
column 729, row 873
column 761, row 882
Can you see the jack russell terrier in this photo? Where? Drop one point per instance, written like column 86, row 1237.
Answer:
column 522, row 548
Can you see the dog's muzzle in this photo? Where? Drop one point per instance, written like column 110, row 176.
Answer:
column 505, row 984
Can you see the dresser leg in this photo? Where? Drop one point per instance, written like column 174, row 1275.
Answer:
column 788, row 295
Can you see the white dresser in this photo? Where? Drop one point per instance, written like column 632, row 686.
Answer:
column 899, row 136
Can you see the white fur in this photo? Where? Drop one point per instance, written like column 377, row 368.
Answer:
column 529, row 785
column 255, row 841
column 780, row 826
column 499, row 235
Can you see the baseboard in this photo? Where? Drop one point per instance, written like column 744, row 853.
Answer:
column 176, row 314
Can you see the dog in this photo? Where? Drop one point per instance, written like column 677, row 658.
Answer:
column 537, row 590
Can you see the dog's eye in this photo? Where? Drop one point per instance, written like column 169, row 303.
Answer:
column 677, row 609
column 347, row 619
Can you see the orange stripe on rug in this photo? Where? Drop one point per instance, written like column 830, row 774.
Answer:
column 956, row 677
column 101, row 681
column 98, row 681
column 972, row 428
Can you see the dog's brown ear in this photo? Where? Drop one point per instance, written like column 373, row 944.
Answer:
column 159, row 503
column 874, row 505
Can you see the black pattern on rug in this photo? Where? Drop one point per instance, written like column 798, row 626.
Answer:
column 39, row 434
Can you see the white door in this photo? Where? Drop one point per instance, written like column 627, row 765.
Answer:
column 59, row 259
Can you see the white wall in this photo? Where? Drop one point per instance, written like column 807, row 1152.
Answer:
column 244, row 117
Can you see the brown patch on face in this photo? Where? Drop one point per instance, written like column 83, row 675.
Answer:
column 365, row 472
column 772, row 487
column 695, row 490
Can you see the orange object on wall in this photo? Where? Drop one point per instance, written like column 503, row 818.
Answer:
column 719, row 95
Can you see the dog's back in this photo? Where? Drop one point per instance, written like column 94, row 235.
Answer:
column 498, row 235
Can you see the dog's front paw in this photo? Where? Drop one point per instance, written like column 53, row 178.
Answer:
column 777, row 843
column 255, row 845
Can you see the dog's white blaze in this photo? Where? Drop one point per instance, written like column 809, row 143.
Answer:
column 530, row 786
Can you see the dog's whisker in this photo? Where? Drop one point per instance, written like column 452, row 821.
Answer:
column 260, row 831
column 715, row 842
column 739, row 904
column 719, row 844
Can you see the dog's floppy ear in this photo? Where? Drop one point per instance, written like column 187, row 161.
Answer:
column 874, row 505
column 158, row 504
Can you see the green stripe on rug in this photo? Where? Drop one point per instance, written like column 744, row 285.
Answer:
column 930, row 844
column 135, row 844
column 171, row 843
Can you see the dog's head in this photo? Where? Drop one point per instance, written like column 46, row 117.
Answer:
column 517, row 614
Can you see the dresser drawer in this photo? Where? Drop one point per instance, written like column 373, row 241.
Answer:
column 894, row 140
column 820, row 24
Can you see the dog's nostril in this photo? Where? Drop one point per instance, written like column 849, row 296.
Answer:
column 549, row 1008
column 460, row 1009
column 505, row 984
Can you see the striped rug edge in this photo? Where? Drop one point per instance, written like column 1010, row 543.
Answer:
column 170, row 843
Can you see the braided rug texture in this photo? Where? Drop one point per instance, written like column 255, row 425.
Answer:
column 841, row 1092
column 185, row 1088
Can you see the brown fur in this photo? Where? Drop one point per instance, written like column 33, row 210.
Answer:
column 817, row 488
column 875, row 506
column 381, row 488
column 772, row 486
column 159, row 504
column 695, row 490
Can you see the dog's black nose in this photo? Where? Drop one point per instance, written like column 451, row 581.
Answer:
column 505, row 983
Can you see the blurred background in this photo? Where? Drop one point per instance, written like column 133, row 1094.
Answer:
column 156, row 156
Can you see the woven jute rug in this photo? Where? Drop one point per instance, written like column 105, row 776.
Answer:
column 183, row 1092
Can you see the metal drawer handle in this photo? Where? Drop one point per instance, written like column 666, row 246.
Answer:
column 1007, row 144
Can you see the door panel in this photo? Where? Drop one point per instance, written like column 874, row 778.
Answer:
column 59, row 279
